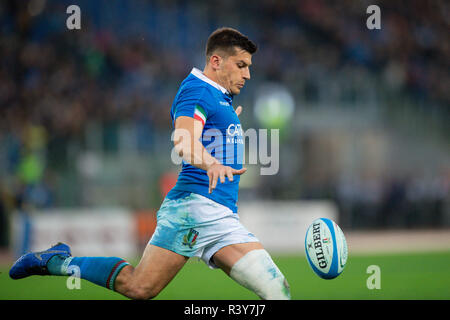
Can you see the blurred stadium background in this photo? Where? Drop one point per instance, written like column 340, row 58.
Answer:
column 364, row 136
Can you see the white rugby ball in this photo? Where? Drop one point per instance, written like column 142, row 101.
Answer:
column 326, row 248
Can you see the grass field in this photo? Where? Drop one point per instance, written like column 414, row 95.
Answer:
column 403, row 276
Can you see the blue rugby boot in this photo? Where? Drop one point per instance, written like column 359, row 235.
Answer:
column 35, row 263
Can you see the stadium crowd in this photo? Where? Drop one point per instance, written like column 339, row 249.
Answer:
column 126, row 62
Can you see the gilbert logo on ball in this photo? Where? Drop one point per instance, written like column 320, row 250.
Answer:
column 326, row 248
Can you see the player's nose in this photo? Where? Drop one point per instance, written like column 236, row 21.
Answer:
column 246, row 74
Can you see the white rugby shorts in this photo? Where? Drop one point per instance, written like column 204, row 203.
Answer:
column 195, row 226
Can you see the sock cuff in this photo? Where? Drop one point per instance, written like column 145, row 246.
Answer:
column 114, row 272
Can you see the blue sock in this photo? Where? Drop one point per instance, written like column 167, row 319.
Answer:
column 99, row 270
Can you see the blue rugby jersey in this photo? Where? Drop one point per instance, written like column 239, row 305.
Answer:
column 201, row 98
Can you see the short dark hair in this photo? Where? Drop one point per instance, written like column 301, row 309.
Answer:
column 226, row 39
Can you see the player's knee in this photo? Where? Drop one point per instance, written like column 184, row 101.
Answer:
column 135, row 288
column 257, row 271
column 139, row 291
column 142, row 293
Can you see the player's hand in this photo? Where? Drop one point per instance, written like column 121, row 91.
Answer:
column 238, row 110
column 219, row 172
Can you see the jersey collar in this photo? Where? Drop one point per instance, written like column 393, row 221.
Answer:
column 199, row 74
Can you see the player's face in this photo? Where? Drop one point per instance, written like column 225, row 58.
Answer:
column 234, row 71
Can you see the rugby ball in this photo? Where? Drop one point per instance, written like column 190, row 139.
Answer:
column 326, row 248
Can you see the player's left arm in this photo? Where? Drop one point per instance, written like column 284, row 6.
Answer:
column 187, row 143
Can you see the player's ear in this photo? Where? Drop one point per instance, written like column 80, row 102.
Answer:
column 215, row 61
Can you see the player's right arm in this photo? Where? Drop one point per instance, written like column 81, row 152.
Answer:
column 187, row 135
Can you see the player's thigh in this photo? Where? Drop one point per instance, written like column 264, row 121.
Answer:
column 226, row 257
column 157, row 267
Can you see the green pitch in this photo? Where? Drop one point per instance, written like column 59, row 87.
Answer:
column 403, row 276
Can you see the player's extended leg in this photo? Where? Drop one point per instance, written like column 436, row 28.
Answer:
column 251, row 266
column 156, row 269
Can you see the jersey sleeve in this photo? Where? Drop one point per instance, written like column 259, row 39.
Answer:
column 195, row 103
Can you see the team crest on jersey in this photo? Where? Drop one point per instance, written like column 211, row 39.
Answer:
column 190, row 238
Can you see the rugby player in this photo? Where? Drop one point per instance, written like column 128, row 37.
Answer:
column 199, row 216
